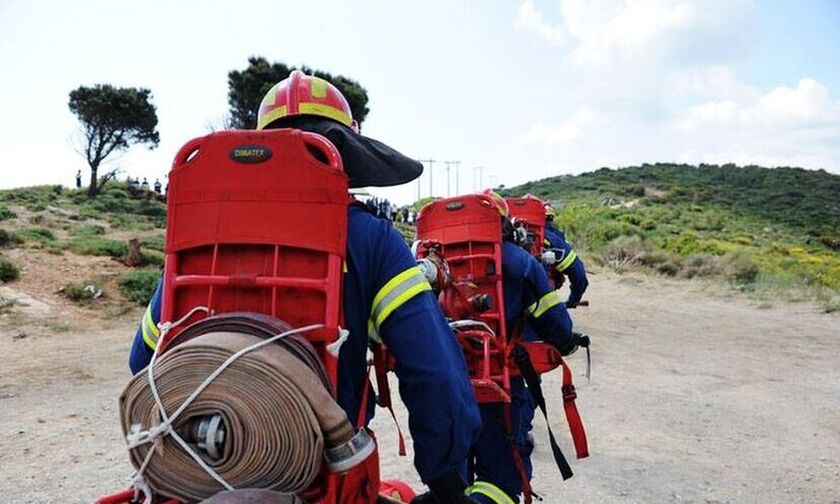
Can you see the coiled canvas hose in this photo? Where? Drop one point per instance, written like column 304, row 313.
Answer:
column 275, row 405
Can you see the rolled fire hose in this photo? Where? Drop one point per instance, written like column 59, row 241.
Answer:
column 278, row 416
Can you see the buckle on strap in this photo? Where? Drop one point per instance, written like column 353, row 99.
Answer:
column 345, row 456
column 569, row 393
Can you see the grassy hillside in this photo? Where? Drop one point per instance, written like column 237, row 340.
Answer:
column 776, row 229
column 54, row 220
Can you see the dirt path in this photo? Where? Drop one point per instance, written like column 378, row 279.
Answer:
column 696, row 397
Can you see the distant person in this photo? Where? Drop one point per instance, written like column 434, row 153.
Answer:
column 145, row 184
column 79, row 179
column 528, row 298
column 157, row 186
column 567, row 264
column 405, row 214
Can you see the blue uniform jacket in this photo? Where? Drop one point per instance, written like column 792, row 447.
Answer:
column 569, row 263
column 385, row 296
column 529, row 295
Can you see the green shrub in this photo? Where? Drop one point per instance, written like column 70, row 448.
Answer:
column 154, row 242
column 669, row 268
column 6, row 213
column 702, row 265
column 98, row 247
column 81, row 292
column 87, row 230
column 8, row 271
column 37, row 234
column 152, row 257
column 132, row 222
column 139, row 285
column 35, row 198
column 625, row 251
column 606, row 231
column 654, row 258
column 9, row 239
column 740, row 268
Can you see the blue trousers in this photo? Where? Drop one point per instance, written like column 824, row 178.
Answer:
column 492, row 454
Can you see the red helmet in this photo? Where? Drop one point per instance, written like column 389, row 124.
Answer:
column 498, row 201
column 549, row 211
column 301, row 94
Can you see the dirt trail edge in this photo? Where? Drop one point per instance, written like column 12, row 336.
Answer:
column 695, row 397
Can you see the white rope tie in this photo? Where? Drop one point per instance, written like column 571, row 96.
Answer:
column 465, row 324
column 139, row 437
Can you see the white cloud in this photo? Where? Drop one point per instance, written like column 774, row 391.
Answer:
column 563, row 134
column 529, row 18
column 602, row 33
column 659, row 80
column 793, row 126
column 808, row 105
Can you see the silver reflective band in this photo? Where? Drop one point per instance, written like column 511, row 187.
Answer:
column 344, row 457
column 396, row 292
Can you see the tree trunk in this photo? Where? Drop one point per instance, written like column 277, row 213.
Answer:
column 135, row 257
column 93, row 188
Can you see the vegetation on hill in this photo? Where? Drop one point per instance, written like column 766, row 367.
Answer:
column 758, row 227
column 56, row 220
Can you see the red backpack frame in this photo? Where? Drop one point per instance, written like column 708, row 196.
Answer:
column 530, row 211
column 469, row 234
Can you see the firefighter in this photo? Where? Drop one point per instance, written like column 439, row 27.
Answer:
column 528, row 295
column 385, row 297
column 568, row 263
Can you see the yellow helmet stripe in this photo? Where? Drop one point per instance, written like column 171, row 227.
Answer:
column 273, row 115
column 318, row 87
column 326, row 111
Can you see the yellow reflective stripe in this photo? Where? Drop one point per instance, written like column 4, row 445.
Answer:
column 373, row 333
column 318, row 87
column 395, row 293
column 150, row 321
column 326, row 111
column 272, row 115
column 566, row 262
column 344, row 267
column 490, row 490
column 149, row 329
column 545, row 303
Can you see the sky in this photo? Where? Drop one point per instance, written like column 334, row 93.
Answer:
column 524, row 89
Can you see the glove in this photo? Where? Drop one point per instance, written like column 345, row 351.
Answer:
column 578, row 340
column 445, row 489
column 548, row 257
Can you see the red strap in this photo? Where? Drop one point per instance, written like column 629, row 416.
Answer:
column 360, row 421
column 384, row 391
column 517, row 457
column 572, row 415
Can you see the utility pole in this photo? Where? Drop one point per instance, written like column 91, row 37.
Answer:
column 431, row 190
column 457, row 177
column 480, row 170
column 448, row 163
